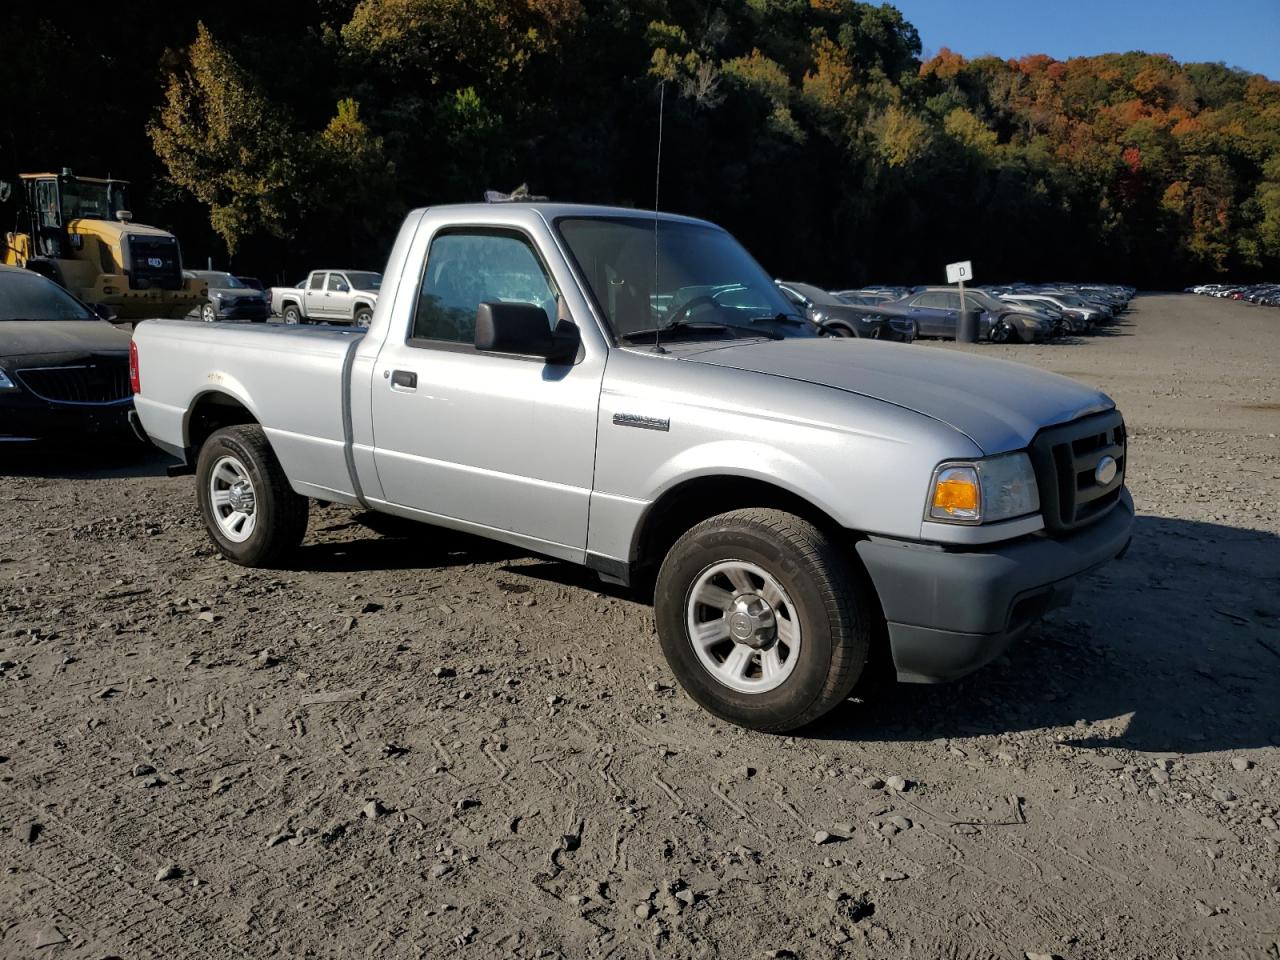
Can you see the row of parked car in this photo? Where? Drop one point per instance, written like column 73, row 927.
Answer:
column 324, row 296
column 73, row 373
column 1267, row 294
column 1009, row 313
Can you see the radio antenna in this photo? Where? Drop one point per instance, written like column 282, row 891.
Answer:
column 657, row 183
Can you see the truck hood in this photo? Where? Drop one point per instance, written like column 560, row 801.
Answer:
column 998, row 404
column 19, row 338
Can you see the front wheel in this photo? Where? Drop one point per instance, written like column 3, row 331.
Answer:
column 1002, row 332
column 252, row 514
column 208, row 313
column 762, row 619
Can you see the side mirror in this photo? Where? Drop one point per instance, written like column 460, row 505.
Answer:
column 521, row 328
column 104, row 312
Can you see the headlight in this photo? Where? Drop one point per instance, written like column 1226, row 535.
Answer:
column 6, row 385
column 984, row 491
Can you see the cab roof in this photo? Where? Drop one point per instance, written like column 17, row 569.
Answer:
column 58, row 176
column 551, row 211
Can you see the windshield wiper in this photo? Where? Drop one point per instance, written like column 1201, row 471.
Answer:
column 793, row 318
column 698, row 325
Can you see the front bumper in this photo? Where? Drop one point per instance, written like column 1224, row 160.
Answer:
column 24, row 417
column 949, row 612
column 253, row 310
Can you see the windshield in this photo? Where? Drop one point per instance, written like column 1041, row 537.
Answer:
column 364, row 281
column 29, row 296
column 686, row 273
column 221, row 281
column 93, row 201
column 985, row 300
column 813, row 294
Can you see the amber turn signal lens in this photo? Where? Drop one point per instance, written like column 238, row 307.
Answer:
column 956, row 495
column 953, row 495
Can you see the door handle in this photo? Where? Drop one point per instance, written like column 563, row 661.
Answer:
column 404, row 379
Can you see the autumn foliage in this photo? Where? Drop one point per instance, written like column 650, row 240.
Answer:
column 273, row 136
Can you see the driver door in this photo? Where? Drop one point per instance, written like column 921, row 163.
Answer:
column 337, row 298
column 494, row 441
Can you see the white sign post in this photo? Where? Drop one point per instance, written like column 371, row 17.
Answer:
column 959, row 273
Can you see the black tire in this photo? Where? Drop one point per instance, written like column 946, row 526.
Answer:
column 364, row 317
column 292, row 313
column 280, row 514
column 839, row 330
column 831, row 602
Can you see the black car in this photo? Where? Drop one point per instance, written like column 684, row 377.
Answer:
column 230, row 298
column 64, row 369
column 842, row 319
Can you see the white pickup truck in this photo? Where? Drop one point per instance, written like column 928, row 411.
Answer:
column 633, row 393
column 329, row 296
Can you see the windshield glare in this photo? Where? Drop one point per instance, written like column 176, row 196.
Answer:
column 84, row 199
column 364, row 281
column 644, row 275
column 29, row 296
column 222, row 281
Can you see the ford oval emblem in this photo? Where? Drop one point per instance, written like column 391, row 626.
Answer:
column 1105, row 472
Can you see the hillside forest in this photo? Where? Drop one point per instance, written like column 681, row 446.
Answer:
column 276, row 137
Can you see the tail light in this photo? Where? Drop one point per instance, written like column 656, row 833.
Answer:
column 135, row 376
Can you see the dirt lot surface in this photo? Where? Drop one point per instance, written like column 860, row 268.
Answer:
column 426, row 746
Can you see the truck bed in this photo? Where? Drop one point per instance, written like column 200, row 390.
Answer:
column 294, row 376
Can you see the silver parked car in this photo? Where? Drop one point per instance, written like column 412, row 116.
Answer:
column 632, row 392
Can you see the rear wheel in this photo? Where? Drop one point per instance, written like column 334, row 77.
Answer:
column 252, row 514
column 364, row 317
column 762, row 619
column 292, row 313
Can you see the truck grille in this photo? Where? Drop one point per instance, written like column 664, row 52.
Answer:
column 154, row 263
column 105, row 380
column 1066, row 461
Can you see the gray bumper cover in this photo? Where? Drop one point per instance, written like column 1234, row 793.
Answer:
column 949, row 612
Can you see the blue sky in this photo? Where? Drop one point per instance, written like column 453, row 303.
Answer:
column 1240, row 33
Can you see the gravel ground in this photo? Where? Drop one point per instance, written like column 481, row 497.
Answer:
column 405, row 747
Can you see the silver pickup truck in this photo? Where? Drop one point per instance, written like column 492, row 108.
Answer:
column 329, row 296
column 633, row 393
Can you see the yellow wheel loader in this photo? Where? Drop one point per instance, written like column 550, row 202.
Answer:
column 78, row 231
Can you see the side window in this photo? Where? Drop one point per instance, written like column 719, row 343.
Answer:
column 927, row 300
column 47, row 198
column 468, row 268
column 317, row 280
column 338, row 283
column 952, row 301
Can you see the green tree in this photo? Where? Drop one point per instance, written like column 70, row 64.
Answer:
column 234, row 150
